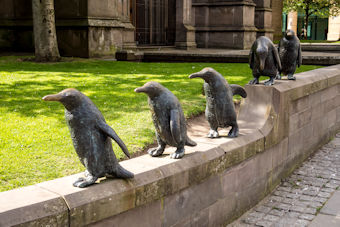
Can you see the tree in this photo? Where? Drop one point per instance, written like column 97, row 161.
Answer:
column 45, row 37
column 321, row 8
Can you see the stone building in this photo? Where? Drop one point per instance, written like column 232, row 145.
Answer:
column 90, row 28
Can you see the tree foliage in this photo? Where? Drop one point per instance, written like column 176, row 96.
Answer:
column 320, row 8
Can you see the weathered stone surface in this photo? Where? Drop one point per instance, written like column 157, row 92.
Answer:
column 143, row 216
column 32, row 206
column 191, row 200
column 224, row 25
column 87, row 206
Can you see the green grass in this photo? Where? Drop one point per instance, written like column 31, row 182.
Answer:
column 35, row 144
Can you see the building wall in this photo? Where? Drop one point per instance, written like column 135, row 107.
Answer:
column 277, row 7
column 224, row 24
column 333, row 28
column 292, row 21
column 91, row 28
column 319, row 28
column 84, row 28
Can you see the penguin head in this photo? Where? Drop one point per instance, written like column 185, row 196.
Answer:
column 289, row 34
column 70, row 98
column 152, row 89
column 207, row 74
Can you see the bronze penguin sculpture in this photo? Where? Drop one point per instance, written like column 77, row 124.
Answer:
column 264, row 60
column 290, row 54
column 220, row 110
column 91, row 137
column 168, row 119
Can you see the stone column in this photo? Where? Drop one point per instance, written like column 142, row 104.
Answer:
column 277, row 6
column 292, row 21
column 110, row 29
column 263, row 18
column 333, row 28
column 224, row 23
column 185, row 31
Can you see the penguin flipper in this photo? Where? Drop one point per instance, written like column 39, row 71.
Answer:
column 251, row 57
column 190, row 142
column 123, row 173
column 299, row 57
column 277, row 58
column 175, row 126
column 238, row 90
column 105, row 128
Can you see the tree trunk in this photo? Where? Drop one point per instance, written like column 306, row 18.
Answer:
column 45, row 37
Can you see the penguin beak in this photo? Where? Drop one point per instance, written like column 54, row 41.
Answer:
column 140, row 89
column 56, row 97
column 195, row 75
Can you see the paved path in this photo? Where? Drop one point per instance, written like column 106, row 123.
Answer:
column 309, row 197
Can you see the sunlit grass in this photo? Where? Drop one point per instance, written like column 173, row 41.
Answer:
column 35, row 144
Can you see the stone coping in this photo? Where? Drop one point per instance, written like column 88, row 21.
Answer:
column 223, row 55
column 322, row 47
column 262, row 120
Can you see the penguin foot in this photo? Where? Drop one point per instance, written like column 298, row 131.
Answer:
column 278, row 76
column 254, row 81
column 291, row 77
column 84, row 182
column 213, row 134
column 179, row 153
column 269, row 82
column 233, row 132
column 155, row 152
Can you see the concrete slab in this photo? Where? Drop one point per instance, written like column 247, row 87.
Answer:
column 322, row 220
column 332, row 206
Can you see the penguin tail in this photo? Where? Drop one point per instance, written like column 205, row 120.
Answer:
column 123, row 173
column 238, row 90
column 190, row 142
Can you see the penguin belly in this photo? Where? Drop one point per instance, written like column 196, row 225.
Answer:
column 161, row 120
column 225, row 113
column 270, row 68
column 91, row 146
column 289, row 60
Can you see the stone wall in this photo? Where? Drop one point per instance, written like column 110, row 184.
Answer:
column 214, row 183
column 88, row 28
column 333, row 28
column 277, row 6
column 224, row 24
column 263, row 18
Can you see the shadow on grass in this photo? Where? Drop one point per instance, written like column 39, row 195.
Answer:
column 110, row 85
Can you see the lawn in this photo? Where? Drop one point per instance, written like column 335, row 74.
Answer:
column 35, row 144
